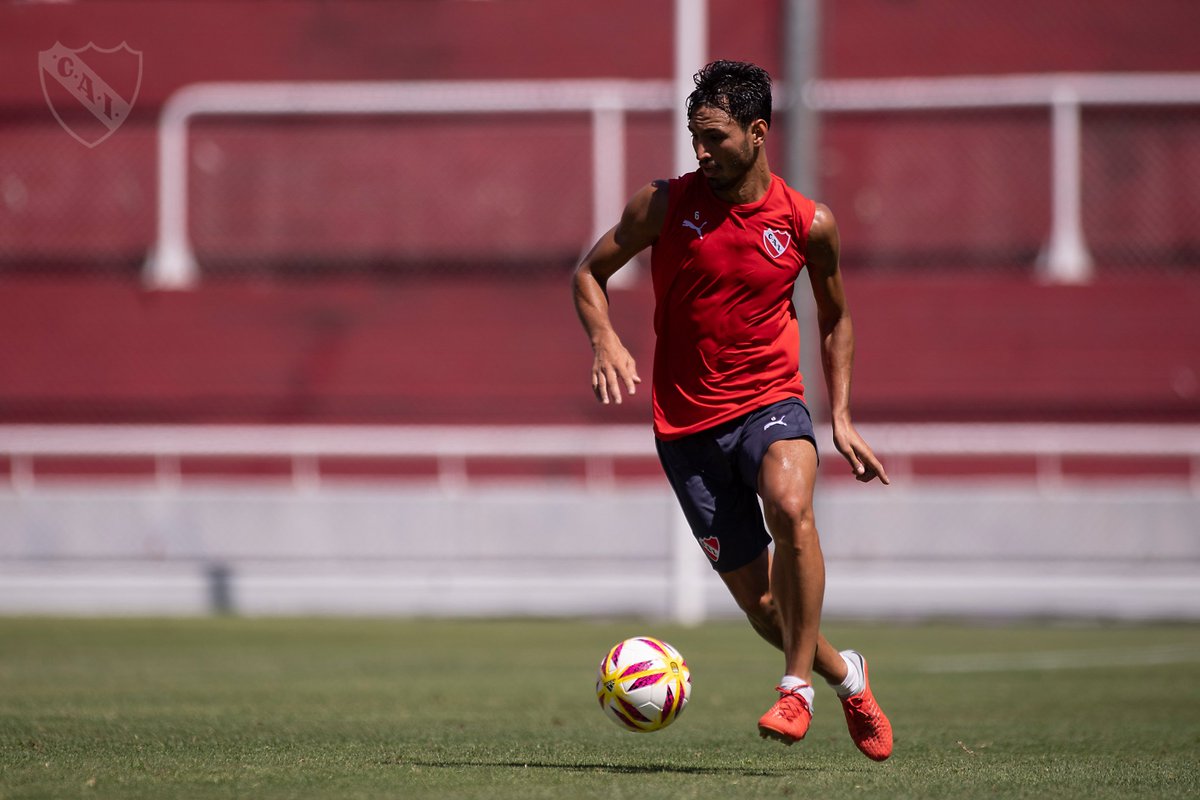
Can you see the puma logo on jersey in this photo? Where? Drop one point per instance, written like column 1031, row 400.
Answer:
column 687, row 223
column 775, row 421
column 776, row 242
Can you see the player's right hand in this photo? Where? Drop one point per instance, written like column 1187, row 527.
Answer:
column 612, row 368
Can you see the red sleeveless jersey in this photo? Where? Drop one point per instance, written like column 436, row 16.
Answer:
column 727, row 337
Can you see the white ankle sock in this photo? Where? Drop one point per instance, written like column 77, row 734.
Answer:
column 805, row 689
column 856, row 679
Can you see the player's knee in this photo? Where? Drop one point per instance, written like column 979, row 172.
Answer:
column 764, row 618
column 757, row 607
column 791, row 519
column 756, row 604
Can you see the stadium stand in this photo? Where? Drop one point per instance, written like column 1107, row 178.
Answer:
column 379, row 271
column 334, row 304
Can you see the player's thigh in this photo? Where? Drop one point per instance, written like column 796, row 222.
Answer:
column 721, row 510
column 786, row 479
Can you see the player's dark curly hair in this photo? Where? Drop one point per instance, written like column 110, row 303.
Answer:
column 741, row 90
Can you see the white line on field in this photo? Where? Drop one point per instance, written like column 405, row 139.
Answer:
column 1064, row 659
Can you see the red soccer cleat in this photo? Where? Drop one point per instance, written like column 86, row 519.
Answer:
column 869, row 728
column 786, row 721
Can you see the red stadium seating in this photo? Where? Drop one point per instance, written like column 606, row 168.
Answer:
column 82, row 341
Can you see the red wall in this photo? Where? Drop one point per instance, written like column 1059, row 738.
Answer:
column 879, row 38
column 920, row 188
column 81, row 341
column 361, row 190
column 495, row 350
column 187, row 41
column 383, row 190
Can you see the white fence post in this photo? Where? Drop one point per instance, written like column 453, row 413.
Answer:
column 171, row 263
column 608, row 176
column 1066, row 258
column 687, row 572
column 691, row 48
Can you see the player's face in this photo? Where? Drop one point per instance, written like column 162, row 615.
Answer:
column 725, row 150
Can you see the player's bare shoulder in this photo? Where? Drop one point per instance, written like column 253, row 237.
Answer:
column 824, row 244
column 643, row 217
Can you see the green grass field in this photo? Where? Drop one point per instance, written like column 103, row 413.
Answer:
column 263, row 708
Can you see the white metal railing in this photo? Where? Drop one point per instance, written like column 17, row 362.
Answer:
column 685, row 581
column 1065, row 258
column 597, row 446
column 172, row 265
column 304, row 445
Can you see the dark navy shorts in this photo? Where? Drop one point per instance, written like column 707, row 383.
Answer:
column 715, row 476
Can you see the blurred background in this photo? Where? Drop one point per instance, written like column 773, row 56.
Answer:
column 285, row 321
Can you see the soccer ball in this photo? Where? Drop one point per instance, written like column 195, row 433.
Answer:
column 643, row 684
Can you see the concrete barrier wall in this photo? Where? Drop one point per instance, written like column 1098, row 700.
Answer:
column 565, row 551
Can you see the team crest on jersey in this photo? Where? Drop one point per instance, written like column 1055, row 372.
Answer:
column 776, row 242
column 712, row 547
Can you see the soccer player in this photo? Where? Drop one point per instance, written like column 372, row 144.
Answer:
column 728, row 243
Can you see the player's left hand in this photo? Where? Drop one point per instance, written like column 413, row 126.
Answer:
column 862, row 460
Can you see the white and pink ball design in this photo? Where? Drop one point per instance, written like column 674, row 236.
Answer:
column 643, row 684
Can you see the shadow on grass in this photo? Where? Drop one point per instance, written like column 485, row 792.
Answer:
column 617, row 769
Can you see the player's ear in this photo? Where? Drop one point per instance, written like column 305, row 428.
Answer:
column 758, row 131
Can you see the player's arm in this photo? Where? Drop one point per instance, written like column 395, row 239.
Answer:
column 837, row 343
column 613, row 366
